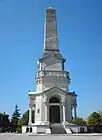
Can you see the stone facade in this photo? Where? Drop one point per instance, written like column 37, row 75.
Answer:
column 52, row 102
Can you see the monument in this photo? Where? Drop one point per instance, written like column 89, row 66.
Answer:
column 52, row 103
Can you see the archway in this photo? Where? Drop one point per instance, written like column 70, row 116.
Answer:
column 54, row 110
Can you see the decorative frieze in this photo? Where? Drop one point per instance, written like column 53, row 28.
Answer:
column 52, row 73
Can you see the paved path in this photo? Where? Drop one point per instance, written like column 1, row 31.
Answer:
column 52, row 137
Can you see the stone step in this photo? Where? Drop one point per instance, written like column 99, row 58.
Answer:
column 57, row 129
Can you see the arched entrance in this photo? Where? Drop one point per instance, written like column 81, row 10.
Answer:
column 54, row 110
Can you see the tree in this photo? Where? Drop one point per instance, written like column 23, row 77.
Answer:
column 16, row 114
column 19, row 126
column 100, row 113
column 24, row 120
column 94, row 122
column 4, row 122
column 79, row 121
column 94, row 119
column 25, row 117
column 15, row 118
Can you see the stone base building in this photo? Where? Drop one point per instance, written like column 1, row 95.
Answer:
column 52, row 103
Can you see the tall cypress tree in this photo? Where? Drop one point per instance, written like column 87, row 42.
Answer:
column 15, row 117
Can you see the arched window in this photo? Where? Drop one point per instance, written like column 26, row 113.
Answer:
column 54, row 100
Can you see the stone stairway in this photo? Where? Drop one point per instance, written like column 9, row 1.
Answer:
column 57, row 128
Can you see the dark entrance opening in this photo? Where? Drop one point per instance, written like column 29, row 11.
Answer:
column 82, row 130
column 30, row 129
column 54, row 110
column 27, row 130
column 54, row 114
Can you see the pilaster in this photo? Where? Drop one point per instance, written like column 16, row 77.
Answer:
column 30, row 114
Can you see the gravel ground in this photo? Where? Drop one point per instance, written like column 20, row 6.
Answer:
column 48, row 137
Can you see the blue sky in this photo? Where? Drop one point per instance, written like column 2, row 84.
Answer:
column 21, row 43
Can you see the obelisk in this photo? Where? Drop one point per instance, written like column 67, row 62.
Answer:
column 50, row 31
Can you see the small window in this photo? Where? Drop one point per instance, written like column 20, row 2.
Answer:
column 38, row 110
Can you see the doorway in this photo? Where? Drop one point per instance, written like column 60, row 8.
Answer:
column 54, row 110
column 54, row 114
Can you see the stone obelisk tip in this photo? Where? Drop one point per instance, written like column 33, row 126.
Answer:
column 50, row 31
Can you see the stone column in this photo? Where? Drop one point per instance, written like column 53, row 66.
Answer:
column 72, row 111
column 30, row 115
column 64, row 115
column 46, row 111
column 75, row 113
column 42, row 109
column 46, row 108
column 61, row 113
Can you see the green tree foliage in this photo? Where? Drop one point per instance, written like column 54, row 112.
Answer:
column 94, row 119
column 79, row 121
column 25, row 117
column 16, row 114
column 15, row 117
column 4, row 122
column 19, row 126
column 100, row 113
column 24, row 120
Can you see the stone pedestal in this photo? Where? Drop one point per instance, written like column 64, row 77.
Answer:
column 42, row 128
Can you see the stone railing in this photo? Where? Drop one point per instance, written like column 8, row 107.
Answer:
column 52, row 73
